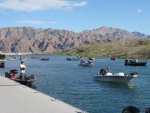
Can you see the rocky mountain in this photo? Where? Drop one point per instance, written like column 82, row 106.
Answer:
column 28, row 39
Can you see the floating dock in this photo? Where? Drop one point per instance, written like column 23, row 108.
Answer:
column 17, row 98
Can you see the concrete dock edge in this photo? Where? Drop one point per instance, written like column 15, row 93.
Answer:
column 17, row 98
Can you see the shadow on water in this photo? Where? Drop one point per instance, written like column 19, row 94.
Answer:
column 33, row 86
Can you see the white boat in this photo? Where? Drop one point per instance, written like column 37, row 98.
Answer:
column 86, row 64
column 12, row 58
column 73, row 59
column 118, row 77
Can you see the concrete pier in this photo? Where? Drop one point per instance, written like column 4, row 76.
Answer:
column 17, row 98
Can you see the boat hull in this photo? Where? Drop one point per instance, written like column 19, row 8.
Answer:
column 117, row 79
column 86, row 65
column 44, row 59
column 25, row 82
column 136, row 64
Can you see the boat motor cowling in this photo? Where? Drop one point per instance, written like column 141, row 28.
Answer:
column 133, row 73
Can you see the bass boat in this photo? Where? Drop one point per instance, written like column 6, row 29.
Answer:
column 135, row 63
column 118, row 77
column 86, row 64
column 25, row 80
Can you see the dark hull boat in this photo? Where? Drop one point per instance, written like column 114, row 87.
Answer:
column 25, row 80
column 133, row 63
column 2, row 64
column 44, row 59
column 113, row 58
column 3, row 59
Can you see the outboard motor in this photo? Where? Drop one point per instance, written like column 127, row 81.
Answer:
column 134, row 73
column 31, row 77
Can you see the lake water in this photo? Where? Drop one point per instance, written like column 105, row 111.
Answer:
column 72, row 84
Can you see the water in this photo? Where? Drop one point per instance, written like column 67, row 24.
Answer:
column 68, row 82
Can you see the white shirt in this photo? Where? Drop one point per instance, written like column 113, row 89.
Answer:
column 22, row 68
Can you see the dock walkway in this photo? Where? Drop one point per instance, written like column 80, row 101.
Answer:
column 17, row 98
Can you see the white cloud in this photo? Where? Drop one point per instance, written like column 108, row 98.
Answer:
column 36, row 22
column 139, row 10
column 34, row 5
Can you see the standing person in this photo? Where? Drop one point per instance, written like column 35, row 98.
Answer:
column 22, row 68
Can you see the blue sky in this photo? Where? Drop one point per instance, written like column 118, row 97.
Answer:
column 76, row 15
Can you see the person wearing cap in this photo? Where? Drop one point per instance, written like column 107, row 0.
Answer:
column 22, row 68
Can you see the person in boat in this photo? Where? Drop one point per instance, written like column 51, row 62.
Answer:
column 82, row 61
column 22, row 68
column 135, row 60
column 131, row 109
column 101, row 71
column 88, row 62
column 104, row 71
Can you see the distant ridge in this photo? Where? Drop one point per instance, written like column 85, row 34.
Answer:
column 38, row 40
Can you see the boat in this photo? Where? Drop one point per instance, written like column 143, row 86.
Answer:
column 28, row 80
column 22, row 58
column 3, row 57
column 35, row 57
column 91, row 58
column 135, row 63
column 113, row 58
column 118, row 77
column 44, row 59
column 2, row 64
column 86, row 64
column 74, row 59
column 12, row 58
